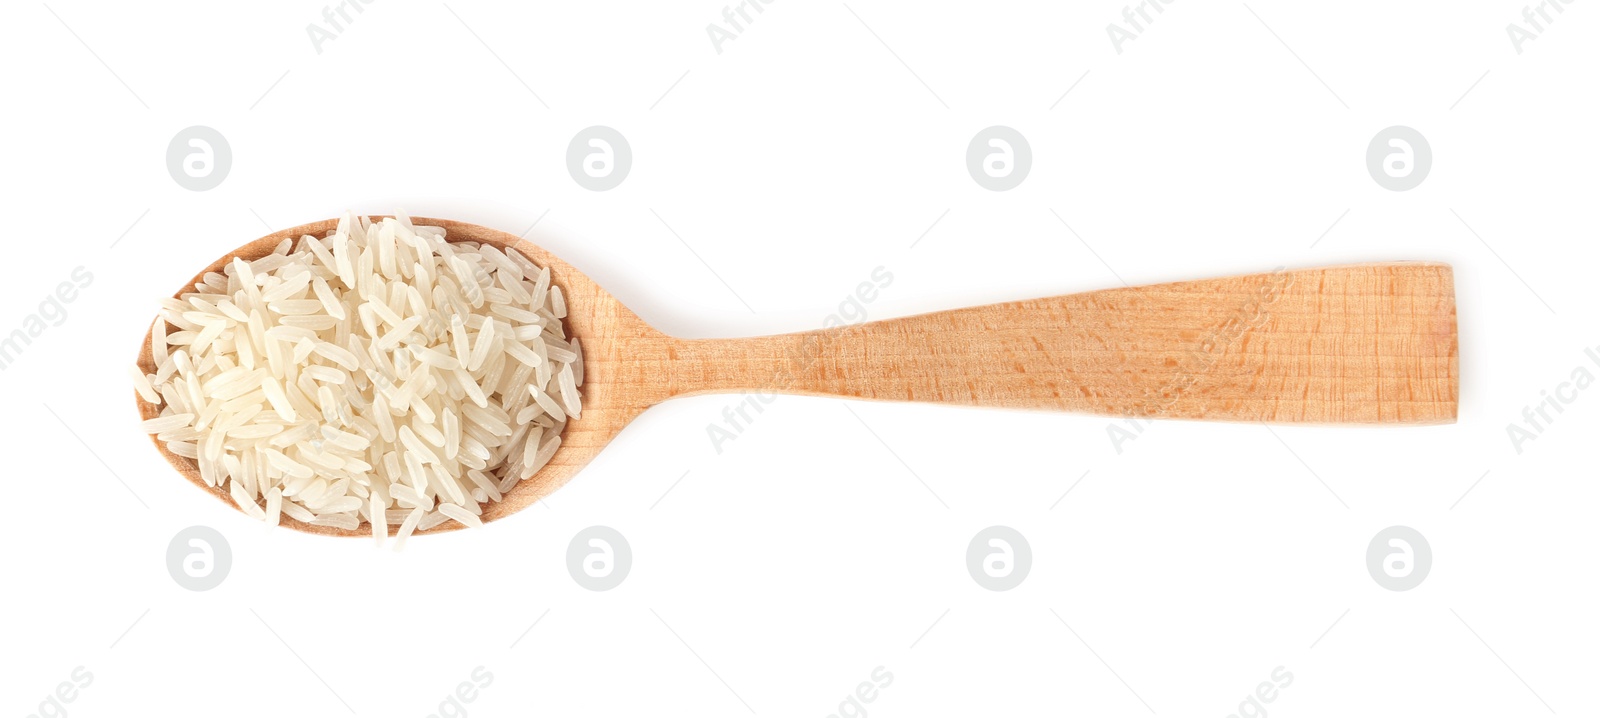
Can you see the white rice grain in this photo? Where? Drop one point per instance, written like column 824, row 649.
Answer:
column 163, row 423
column 460, row 514
column 141, row 384
column 406, row 527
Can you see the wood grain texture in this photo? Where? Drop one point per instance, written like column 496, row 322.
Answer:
column 1370, row 343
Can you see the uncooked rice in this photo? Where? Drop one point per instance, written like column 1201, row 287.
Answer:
column 377, row 375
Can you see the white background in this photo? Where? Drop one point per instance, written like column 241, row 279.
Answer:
column 775, row 576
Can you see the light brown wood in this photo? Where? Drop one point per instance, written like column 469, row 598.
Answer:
column 1363, row 344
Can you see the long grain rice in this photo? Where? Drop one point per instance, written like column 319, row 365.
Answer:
column 371, row 376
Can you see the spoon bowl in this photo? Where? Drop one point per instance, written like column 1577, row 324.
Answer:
column 606, row 328
column 1357, row 344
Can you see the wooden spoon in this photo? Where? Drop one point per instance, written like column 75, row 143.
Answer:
column 1360, row 344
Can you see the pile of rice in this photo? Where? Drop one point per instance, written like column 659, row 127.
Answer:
column 377, row 374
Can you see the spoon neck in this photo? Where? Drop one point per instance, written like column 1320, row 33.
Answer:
column 771, row 365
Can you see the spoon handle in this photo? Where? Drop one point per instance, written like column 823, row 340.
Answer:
column 1369, row 343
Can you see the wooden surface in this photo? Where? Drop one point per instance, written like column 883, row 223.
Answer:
column 1368, row 344
column 1371, row 343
